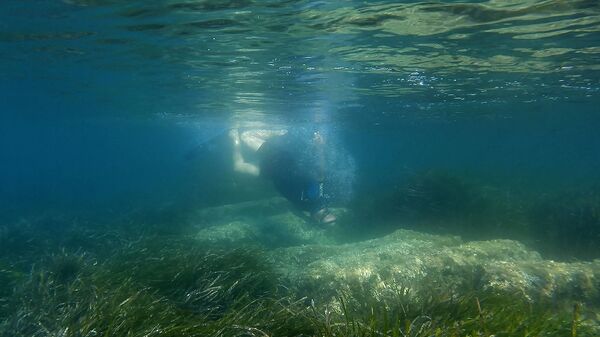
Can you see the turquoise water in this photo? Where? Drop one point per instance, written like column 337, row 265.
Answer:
column 448, row 126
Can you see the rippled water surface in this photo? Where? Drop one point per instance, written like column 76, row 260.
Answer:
column 367, row 58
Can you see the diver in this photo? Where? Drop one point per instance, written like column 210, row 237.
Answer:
column 295, row 165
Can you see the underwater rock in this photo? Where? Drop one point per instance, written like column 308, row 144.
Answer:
column 270, row 222
column 374, row 265
column 421, row 262
column 316, row 266
column 250, row 209
column 230, row 232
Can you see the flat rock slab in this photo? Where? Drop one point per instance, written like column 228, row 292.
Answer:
column 412, row 260
column 313, row 263
column 271, row 222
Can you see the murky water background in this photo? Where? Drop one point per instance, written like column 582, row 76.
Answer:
column 101, row 98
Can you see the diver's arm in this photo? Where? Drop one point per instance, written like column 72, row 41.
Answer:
column 239, row 164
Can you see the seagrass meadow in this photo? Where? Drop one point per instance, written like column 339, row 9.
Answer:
column 226, row 274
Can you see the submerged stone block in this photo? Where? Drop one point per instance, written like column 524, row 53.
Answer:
column 315, row 266
column 271, row 222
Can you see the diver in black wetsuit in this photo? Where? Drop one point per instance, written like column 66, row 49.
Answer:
column 296, row 167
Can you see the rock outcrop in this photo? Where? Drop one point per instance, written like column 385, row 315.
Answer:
column 313, row 262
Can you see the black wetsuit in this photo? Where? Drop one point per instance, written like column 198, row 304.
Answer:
column 284, row 161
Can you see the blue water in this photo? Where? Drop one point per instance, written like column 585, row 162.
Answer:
column 121, row 213
column 104, row 104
